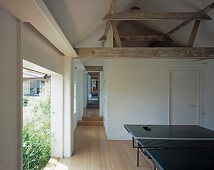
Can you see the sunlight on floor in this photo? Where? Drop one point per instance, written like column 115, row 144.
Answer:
column 60, row 166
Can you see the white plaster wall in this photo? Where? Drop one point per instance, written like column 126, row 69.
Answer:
column 80, row 94
column 209, row 95
column 101, row 95
column 85, row 90
column 137, row 92
column 38, row 50
column 105, row 97
column 88, row 85
column 76, row 114
column 9, row 112
column 78, row 78
column 68, row 83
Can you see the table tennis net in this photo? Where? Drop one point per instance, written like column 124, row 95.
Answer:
column 175, row 144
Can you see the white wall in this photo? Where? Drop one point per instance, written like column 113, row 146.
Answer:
column 85, row 89
column 38, row 50
column 101, row 94
column 137, row 91
column 105, row 97
column 68, row 83
column 88, row 85
column 78, row 78
column 80, row 94
column 209, row 95
column 9, row 103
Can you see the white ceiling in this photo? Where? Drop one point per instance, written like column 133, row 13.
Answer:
column 80, row 19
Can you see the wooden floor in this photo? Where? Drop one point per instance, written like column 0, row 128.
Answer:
column 91, row 112
column 92, row 151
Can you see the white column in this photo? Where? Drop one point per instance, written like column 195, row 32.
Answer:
column 57, row 115
column 68, row 106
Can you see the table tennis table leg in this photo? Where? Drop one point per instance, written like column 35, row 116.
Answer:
column 133, row 142
column 138, row 154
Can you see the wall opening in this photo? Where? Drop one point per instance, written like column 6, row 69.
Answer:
column 93, row 94
column 55, row 90
column 36, row 119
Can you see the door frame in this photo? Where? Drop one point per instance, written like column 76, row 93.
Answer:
column 197, row 95
column 101, row 91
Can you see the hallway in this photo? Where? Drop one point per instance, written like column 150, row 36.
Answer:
column 91, row 118
column 91, row 112
column 92, row 151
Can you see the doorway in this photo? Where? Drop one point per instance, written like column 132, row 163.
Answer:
column 93, row 94
column 184, row 98
column 93, row 90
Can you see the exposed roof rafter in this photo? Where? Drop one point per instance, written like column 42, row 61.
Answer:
column 193, row 33
column 107, row 26
column 145, row 38
column 116, row 34
column 139, row 15
column 203, row 11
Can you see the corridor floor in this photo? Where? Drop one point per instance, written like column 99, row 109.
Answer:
column 92, row 151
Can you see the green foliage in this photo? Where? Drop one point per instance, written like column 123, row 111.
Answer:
column 36, row 136
column 25, row 101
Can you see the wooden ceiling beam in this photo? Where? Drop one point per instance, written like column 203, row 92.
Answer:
column 146, row 53
column 116, row 34
column 144, row 38
column 183, row 24
column 193, row 33
column 157, row 16
column 207, row 8
column 94, row 68
column 107, row 26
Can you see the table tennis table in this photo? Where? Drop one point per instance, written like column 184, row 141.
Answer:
column 174, row 147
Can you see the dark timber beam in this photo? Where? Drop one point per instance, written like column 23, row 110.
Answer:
column 144, row 38
column 94, row 68
column 107, row 26
column 116, row 34
column 183, row 24
column 146, row 53
column 193, row 33
column 157, row 16
column 104, row 37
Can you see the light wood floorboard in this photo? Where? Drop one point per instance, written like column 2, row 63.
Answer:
column 92, row 151
column 91, row 112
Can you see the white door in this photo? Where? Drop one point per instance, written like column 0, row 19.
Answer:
column 184, row 98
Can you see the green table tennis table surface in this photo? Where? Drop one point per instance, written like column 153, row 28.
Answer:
column 176, row 158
